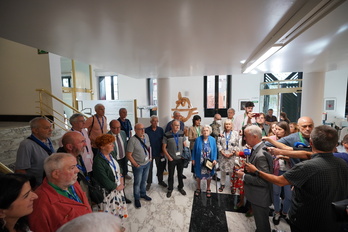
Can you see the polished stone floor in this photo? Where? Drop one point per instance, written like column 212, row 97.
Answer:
column 188, row 213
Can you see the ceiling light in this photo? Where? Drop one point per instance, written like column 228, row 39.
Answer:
column 262, row 58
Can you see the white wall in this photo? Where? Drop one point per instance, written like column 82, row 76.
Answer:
column 336, row 88
column 22, row 72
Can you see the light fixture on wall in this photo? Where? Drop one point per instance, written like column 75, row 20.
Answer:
column 263, row 57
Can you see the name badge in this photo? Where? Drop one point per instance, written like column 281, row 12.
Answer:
column 146, row 158
column 163, row 159
column 178, row 153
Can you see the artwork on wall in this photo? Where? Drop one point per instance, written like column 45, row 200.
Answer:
column 187, row 107
column 242, row 103
column 329, row 104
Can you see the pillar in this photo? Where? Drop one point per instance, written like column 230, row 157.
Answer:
column 163, row 101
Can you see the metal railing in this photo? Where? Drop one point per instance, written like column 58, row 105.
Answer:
column 46, row 100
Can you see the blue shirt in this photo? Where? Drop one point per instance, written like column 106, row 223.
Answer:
column 156, row 138
column 126, row 126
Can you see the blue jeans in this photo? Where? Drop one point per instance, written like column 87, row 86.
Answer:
column 140, row 177
column 287, row 196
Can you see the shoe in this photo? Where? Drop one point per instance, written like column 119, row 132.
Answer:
column 137, row 204
column 208, row 193
column 147, row 198
column 183, row 176
column 197, row 192
column 286, row 217
column 148, row 187
column 249, row 213
column 163, row 184
column 128, row 201
column 128, row 177
column 221, row 188
column 169, row 193
column 276, row 218
column 182, row 191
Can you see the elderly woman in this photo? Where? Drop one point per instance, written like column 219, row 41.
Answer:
column 107, row 172
column 204, row 149
column 16, row 202
column 228, row 147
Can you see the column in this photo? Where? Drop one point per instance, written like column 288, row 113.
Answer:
column 163, row 101
column 313, row 96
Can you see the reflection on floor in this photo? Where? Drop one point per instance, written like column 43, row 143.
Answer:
column 188, row 213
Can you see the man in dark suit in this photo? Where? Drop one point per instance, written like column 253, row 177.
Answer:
column 258, row 191
column 119, row 152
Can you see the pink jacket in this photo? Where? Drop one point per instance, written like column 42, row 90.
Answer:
column 52, row 210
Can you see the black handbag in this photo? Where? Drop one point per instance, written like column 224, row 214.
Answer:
column 94, row 189
column 340, row 210
column 208, row 164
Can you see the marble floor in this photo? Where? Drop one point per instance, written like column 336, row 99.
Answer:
column 187, row 213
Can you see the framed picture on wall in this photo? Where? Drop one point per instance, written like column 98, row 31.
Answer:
column 242, row 103
column 329, row 104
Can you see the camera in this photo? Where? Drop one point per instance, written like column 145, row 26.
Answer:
column 256, row 115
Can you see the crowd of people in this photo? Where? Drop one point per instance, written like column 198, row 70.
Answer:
column 293, row 166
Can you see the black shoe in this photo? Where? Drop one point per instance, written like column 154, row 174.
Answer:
column 169, row 193
column 276, row 218
column 183, row 176
column 137, row 204
column 286, row 218
column 163, row 184
column 148, row 187
column 182, row 191
column 147, row 198
column 128, row 201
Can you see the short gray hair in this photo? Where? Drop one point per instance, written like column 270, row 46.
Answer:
column 74, row 117
column 231, row 109
column 35, row 122
column 93, row 222
column 254, row 130
column 54, row 162
column 153, row 117
column 209, row 128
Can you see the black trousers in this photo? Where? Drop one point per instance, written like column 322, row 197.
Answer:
column 179, row 164
column 161, row 165
column 123, row 165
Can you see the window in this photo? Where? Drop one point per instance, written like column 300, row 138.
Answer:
column 217, row 92
column 108, row 88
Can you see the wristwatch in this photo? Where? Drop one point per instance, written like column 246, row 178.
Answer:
column 257, row 173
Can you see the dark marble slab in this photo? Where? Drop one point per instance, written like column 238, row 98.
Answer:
column 208, row 214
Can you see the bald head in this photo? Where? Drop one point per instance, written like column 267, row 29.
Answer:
column 74, row 143
column 305, row 125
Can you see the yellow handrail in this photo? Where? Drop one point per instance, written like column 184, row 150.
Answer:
column 47, row 110
column 4, row 169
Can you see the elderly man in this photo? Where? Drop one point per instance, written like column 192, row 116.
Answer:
column 156, row 134
column 77, row 122
column 270, row 117
column 74, row 143
column 126, row 125
column 298, row 140
column 96, row 125
column 120, row 146
column 246, row 118
column 35, row 149
column 139, row 154
column 61, row 197
column 230, row 114
column 317, row 183
column 176, row 116
column 260, row 122
column 173, row 145
column 216, row 126
column 258, row 191
column 119, row 152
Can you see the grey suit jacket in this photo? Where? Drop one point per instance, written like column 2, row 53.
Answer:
column 257, row 190
column 124, row 140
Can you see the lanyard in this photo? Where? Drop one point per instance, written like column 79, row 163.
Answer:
column 176, row 138
column 100, row 124
column 227, row 139
column 301, row 138
column 112, row 163
column 73, row 196
column 244, row 119
column 43, row 145
column 198, row 129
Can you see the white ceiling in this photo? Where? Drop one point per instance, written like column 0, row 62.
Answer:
column 171, row 38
